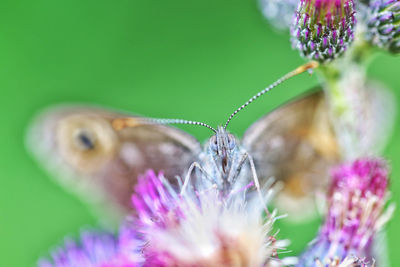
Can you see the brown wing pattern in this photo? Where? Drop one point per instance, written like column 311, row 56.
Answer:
column 85, row 153
column 296, row 145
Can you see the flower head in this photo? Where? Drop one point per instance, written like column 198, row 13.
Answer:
column 323, row 29
column 384, row 24
column 201, row 228
column 95, row 249
column 191, row 228
column 355, row 212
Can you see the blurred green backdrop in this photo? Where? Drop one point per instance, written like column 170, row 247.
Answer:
column 189, row 59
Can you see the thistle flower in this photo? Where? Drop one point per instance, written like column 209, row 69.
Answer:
column 202, row 228
column 323, row 29
column 194, row 228
column 384, row 24
column 279, row 12
column 96, row 249
column 355, row 213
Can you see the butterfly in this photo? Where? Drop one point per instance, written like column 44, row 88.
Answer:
column 99, row 153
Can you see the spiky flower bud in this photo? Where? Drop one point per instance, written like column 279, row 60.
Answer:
column 384, row 24
column 323, row 29
column 356, row 201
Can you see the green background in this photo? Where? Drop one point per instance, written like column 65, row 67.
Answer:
column 162, row 58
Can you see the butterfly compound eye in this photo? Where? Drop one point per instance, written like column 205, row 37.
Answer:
column 231, row 141
column 213, row 143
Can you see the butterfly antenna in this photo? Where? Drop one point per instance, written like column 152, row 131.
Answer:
column 299, row 70
column 122, row 123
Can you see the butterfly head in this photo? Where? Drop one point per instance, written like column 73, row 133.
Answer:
column 222, row 147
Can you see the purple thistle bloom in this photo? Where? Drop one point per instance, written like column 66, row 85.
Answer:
column 355, row 212
column 200, row 228
column 191, row 228
column 323, row 29
column 95, row 249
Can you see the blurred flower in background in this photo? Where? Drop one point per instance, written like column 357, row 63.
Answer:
column 356, row 201
column 384, row 24
column 94, row 249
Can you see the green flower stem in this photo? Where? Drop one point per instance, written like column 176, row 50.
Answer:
column 331, row 77
column 342, row 80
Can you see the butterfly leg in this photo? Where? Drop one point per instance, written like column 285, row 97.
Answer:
column 255, row 177
column 246, row 156
column 189, row 174
column 239, row 167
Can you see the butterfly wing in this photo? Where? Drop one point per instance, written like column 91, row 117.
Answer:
column 88, row 156
column 296, row 145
